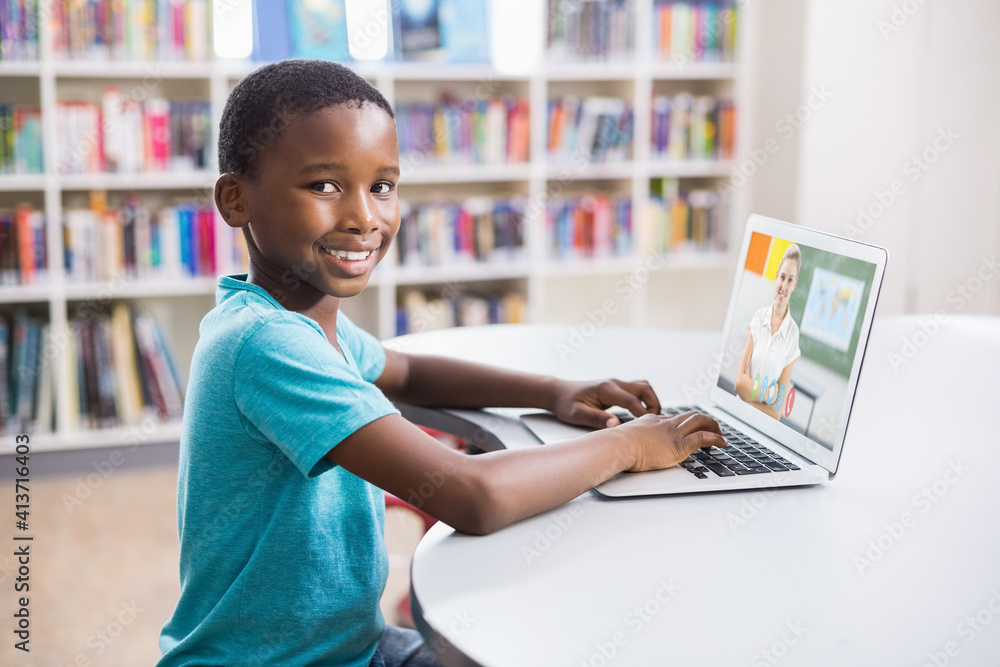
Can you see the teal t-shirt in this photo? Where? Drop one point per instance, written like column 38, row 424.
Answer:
column 282, row 558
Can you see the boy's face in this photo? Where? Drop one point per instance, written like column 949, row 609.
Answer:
column 323, row 208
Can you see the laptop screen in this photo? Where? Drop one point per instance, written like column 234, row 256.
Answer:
column 796, row 329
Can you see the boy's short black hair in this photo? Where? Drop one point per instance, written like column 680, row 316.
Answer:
column 264, row 101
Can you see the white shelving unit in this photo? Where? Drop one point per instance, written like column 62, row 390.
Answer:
column 180, row 305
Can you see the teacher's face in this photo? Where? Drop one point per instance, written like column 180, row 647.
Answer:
column 788, row 277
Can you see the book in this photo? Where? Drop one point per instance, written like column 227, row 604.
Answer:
column 464, row 28
column 416, row 29
column 20, row 139
column 128, row 396
column 23, row 246
column 120, row 370
column 19, row 30
column 162, row 377
column 134, row 242
column 464, row 132
column 598, row 129
column 130, row 136
column 600, row 30
column 445, row 233
column 589, row 226
column 130, row 29
column 422, row 311
column 5, row 408
column 107, row 409
column 686, row 32
column 318, row 29
column 689, row 127
column 271, row 40
column 685, row 220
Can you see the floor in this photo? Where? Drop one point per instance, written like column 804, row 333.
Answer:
column 103, row 565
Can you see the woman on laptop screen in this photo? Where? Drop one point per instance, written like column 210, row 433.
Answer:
column 764, row 373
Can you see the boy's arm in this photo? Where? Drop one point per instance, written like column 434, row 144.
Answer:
column 445, row 382
column 483, row 493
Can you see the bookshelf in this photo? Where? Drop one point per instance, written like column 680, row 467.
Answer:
column 553, row 290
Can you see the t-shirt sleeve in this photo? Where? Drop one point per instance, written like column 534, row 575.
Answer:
column 793, row 351
column 296, row 391
column 368, row 352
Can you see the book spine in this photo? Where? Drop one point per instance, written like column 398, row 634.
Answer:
column 5, row 411
column 26, row 265
column 590, row 225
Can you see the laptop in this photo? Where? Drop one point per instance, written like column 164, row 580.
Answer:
column 787, row 379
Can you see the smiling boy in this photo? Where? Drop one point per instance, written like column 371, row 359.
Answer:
column 289, row 432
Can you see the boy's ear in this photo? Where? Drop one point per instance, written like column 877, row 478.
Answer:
column 231, row 201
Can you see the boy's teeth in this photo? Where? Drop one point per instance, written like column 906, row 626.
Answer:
column 348, row 254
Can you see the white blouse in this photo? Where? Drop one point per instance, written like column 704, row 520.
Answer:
column 772, row 352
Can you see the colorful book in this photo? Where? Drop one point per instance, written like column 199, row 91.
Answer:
column 129, row 136
column 450, row 132
column 592, row 225
column 416, row 29
column 133, row 242
column 599, row 30
column 689, row 127
column 688, row 32
column 130, row 29
column 685, row 220
column 474, row 230
column 318, row 29
column 465, row 34
column 419, row 311
column 598, row 129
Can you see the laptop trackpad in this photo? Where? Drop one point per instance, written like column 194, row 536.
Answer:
column 548, row 429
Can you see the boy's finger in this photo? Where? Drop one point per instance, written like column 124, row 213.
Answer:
column 703, row 439
column 617, row 395
column 699, row 422
column 645, row 392
column 585, row 415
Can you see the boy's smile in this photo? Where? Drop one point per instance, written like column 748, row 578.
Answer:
column 322, row 210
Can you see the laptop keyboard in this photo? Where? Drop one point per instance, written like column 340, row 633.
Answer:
column 743, row 456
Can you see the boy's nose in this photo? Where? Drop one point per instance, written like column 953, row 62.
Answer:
column 358, row 216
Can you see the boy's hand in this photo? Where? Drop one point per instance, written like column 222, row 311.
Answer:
column 663, row 442
column 584, row 403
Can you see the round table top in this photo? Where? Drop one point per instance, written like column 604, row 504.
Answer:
column 893, row 561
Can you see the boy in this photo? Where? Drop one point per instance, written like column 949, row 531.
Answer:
column 288, row 425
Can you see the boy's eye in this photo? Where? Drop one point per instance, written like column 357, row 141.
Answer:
column 325, row 186
column 382, row 188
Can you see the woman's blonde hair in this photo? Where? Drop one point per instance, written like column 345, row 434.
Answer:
column 793, row 253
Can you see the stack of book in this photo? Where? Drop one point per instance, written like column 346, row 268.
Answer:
column 590, row 29
column 685, row 32
column 19, row 30
column 20, row 139
column 132, row 242
column 128, row 135
column 590, row 226
column 689, row 127
column 693, row 220
column 121, row 370
column 477, row 229
column 455, row 306
column 464, row 132
column 22, row 246
column 131, row 29
column 26, row 391
column 598, row 129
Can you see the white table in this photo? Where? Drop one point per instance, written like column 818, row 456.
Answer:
column 896, row 561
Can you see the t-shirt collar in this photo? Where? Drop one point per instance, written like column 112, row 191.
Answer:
column 239, row 281
column 786, row 322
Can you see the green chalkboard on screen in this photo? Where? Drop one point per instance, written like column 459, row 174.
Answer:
column 829, row 304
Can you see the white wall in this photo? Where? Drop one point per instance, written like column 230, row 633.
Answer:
column 899, row 81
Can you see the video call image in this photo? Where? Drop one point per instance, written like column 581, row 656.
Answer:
column 795, row 333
